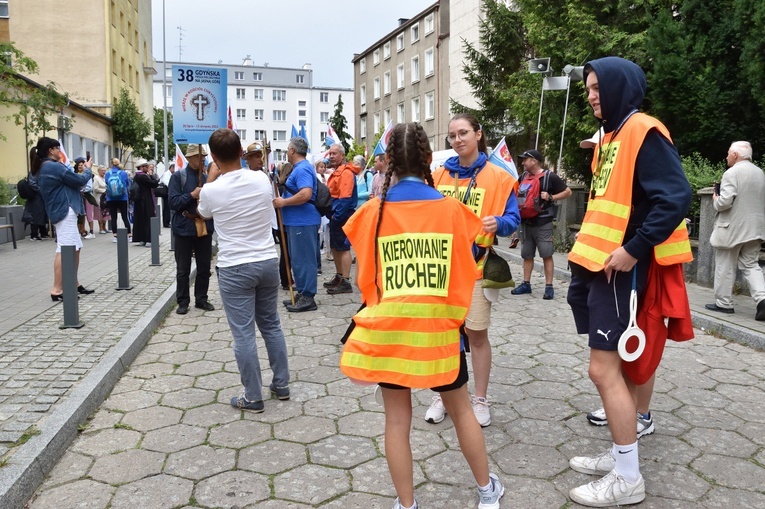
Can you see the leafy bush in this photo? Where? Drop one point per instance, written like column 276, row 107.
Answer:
column 5, row 192
column 701, row 173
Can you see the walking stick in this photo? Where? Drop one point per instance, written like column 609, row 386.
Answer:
column 284, row 245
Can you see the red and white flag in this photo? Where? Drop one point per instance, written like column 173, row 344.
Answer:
column 64, row 158
column 180, row 159
column 230, row 120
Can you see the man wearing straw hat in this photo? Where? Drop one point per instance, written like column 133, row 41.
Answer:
column 301, row 222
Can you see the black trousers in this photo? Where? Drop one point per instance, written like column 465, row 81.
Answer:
column 165, row 213
column 114, row 206
column 201, row 249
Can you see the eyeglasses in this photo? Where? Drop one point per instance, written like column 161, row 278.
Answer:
column 459, row 135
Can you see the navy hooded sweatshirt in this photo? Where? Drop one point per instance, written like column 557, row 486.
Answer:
column 658, row 170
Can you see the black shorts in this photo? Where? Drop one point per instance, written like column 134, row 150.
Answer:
column 338, row 241
column 601, row 308
column 462, row 379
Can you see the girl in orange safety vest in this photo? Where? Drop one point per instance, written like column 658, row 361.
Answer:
column 415, row 273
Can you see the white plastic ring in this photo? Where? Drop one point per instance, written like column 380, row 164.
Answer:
column 624, row 338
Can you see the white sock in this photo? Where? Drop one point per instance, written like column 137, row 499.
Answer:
column 627, row 462
column 486, row 488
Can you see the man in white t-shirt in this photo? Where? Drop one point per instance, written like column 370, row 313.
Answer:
column 248, row 267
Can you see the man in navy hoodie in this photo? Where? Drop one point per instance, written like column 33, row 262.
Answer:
column 635, row 214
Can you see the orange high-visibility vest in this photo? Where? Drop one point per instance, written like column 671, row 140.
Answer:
column 609, row 209
column 493, row 186
column 409, row 336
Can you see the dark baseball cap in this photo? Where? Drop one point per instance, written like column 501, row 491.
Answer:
column 532, row 153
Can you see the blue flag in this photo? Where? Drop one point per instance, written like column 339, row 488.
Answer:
column 294, row 133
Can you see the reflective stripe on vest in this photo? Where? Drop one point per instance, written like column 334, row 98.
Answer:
column 608, row 212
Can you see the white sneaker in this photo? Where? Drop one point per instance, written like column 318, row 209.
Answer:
column 89, row 236
column 114, row 240
column 436, row 412
column 481, row 410
column 378, row 396
column 601, row 464
column 598, row 417
column 611, row 490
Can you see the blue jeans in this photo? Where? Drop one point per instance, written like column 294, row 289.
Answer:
column 250, row 292
column 303, row 257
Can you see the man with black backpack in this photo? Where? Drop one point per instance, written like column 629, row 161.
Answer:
column 538, row 190
column 301, row 220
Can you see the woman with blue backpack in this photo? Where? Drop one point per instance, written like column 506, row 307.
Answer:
column 117, row 185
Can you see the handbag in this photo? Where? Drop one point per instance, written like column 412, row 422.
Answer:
column 201, row 225
column 496, row 272
column 161, row 191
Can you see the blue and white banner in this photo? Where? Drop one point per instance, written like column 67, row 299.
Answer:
column 199, row 102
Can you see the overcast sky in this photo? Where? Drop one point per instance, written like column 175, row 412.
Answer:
column 284, row 33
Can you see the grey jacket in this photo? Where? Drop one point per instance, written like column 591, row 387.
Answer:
column 740, row 207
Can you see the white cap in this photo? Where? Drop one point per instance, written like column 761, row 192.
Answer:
column 592, row 142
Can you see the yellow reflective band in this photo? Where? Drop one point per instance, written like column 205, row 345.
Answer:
column 609, row 207
column 602, row 232
column 409, row 338
column 590, row 253
column 485, row 240
column 403, row 366
column 413, row 310
column 673, row 249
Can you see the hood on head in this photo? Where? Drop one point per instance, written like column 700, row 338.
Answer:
column 622, row 88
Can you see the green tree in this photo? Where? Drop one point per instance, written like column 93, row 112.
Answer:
column 31, row 106
column 489, row 65
column 159, row 133
column 131, row 129
column 340, row 124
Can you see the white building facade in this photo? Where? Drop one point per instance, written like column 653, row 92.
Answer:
column 267, row 101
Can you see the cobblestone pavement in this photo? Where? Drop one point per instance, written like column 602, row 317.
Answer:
column 167, row 437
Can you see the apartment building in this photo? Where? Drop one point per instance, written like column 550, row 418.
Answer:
column 404, row 77
column 91, row 49
column 267, row 101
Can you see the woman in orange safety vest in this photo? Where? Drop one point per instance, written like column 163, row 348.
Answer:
column 415, row 272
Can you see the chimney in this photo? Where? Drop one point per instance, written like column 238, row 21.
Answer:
column 402, row 21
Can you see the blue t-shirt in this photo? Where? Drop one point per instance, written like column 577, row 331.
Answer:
column 302, row 175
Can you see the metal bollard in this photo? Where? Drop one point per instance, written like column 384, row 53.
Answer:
column 123, row 262
column 156, row 226
column 172, row 235
column 158, row 210
column 69, row 277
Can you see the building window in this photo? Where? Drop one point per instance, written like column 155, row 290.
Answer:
column 279, row 136
column 299, row 79
column 280, row 95
column 363, row 95
column 400, row 42
column 415, row 69
column 429, row 23
column 323, row 97
column 301, row 113
column 430, row 62
column 386, row 116
column 242, row 134
column 386, row 50
column 168, row 91
column 241, row 114
column 376, row 124
column 324, row 117
column 400, row 113
column 168, row 71
column 386, row 83
column 239, row 75
column 301, row 123
column 377, row 88
column 301, row 104
column 280, row 115
column 376, row 57
column 416, row 109
column 259, row 135
column 258, row 93
column 259, row 115
column 257, row 76
column 415, row 33
column 430, row 105
column 240, row 93
column 279, row 155
column 322, row 136
column 363, row 128
column 400, row 76
column 362, row 66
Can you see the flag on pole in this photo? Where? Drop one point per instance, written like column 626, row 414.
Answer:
column 331, row 137
column 382, row 145
column 304, row 135
column 294, row 133
column 501, row 157
column 180, row 159
column 230, row 120
column 64, row 158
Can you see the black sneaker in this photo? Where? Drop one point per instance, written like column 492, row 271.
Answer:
column 205, row 305
column 334, row 281
column 182, row 308
column 288, row 302
column 303, row 304
column 282, row 393
column 343, row 287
